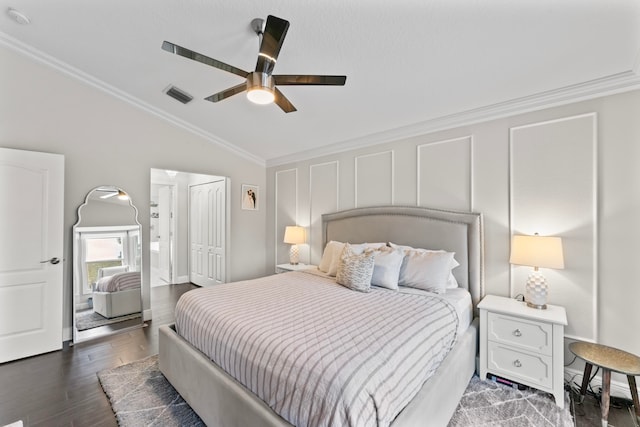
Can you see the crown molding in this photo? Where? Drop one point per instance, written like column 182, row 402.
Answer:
column 609, row 85
column 89, row 80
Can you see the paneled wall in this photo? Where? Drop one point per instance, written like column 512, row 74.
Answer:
column 553, row 192
column 552, row 171
column 448, row 160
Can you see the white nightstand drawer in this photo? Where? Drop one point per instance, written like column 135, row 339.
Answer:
column 531, row 369
column 522, row 333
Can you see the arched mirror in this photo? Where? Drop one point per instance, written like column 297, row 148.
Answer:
column 107, row 273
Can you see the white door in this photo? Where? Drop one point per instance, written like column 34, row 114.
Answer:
column 207, row 233
column 165, row 213
column 31, row 230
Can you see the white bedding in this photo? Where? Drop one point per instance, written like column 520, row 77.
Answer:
column 459, row 298
column 321, row 354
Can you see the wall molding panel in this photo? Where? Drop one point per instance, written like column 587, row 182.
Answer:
column 567, row 171
column 445, row 174
column 553, row 191
column 286, row 210
column 324, row 179
column 374, row 179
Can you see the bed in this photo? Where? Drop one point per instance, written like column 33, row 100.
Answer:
column 117, row 292
column 221, row 400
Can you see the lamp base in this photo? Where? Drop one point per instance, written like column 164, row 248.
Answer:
column 536, row 291
column 539, row 307
column 294, row 255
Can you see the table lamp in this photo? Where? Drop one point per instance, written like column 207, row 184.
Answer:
column 294, row 236
column 537, row 251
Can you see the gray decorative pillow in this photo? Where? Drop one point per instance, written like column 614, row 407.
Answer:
column 355, row 270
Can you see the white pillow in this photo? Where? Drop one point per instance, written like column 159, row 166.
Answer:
column 426, row 270
column 335, row 250
column 330, row 251
column 452, row 283
column 355, row 270
column 359, row 248
column 386, row 269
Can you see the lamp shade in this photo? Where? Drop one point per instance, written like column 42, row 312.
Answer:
column 537, row 251
column 294, row 235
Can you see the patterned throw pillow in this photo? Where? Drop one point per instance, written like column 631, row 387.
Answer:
column 355, row 270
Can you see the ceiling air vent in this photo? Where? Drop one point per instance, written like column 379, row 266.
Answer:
column 179, row 94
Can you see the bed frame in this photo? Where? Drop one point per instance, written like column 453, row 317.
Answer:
column 222, row 401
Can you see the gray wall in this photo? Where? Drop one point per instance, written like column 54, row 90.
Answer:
column 570, row 171
column 106, row 141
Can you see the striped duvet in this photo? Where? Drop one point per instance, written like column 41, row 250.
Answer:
column 317, row 353
column 118, row 282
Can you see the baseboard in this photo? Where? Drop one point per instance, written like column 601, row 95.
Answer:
column 146, row 315
column 619, row 388
column 183, row 279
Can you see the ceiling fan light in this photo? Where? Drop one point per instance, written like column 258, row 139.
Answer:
column 260, row 95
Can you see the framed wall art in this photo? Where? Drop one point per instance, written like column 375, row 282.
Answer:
column 250, row 197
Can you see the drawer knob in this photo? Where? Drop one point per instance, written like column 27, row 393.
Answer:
column 517, row 333
column 517, row 363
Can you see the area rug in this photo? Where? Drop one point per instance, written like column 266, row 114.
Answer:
column 140, row 395
column 488, row 404
column 90, row 319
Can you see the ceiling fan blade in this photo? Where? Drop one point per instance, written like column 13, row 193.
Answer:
column 273, row 36
column 195, row 56
column 291, row 80
column 283, row 102
column 227, row 93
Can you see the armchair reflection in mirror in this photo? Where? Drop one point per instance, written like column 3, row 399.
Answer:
column 107, row 273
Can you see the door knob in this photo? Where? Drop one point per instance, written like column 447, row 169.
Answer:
column 53, row 261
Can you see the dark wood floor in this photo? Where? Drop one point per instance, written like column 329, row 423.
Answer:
column 61, row 388
column 587, row 413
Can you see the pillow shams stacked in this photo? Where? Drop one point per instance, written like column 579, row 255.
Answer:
column 355, row 270
column 392, row 266
column 427, row 269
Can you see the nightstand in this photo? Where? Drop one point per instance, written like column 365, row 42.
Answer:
column 283, row 268
column 523, row 344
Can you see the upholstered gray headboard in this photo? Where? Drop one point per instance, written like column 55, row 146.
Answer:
column 459, row 232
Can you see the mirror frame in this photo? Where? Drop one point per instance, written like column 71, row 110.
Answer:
column 111, row 327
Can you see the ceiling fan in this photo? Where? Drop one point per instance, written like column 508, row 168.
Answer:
column 261, row 83
column 111, row 192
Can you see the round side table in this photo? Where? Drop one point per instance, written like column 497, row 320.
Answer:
column 609, row 359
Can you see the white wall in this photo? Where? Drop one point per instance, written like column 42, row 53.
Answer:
column 570, row 171
column 106, row 141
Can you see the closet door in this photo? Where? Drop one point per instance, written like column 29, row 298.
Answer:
column 207, row 228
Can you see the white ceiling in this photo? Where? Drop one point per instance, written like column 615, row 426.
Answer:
column 412, row 65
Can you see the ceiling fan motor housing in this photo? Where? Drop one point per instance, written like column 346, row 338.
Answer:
column 260, row 87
